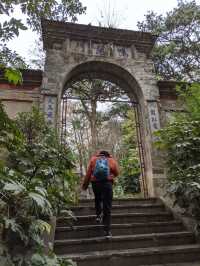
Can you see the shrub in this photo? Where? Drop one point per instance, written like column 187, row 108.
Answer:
column 181, row 139
column 36, row 182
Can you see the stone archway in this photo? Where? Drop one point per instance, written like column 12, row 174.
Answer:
column 113, row 73
column 121, row 56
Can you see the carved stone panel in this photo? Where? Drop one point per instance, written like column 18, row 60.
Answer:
column 97, row 49
column 50, row 109
column 153, row 117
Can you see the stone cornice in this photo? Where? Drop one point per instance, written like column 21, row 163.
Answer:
column 57, row 32
column 30, row 77
column 167, row 88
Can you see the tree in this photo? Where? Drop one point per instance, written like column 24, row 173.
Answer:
column 90, row 91
column 78, row 132
column 77, row 135
column 37, row 56
column 34, row 11
column 176, row 53
column 130, row 162
column 110, row 16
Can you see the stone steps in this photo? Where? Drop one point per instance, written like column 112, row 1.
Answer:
column 138, row 257
column 177, row 264
column 122, row 242
column 127, row 201
column 144, row 233
column 86, row 231
column 118, row 218
column 125, row 208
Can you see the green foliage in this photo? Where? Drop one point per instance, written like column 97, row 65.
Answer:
column 56, row 10
column 10, row 61
column 118, row 110
column 33, row 11
column 9, row 134
column 36, row 182
column 13, row 75
column 181, row 137
column 191, row 97
column 42, row 157
column 130, row 165
column 181, row 140
column 176, row 54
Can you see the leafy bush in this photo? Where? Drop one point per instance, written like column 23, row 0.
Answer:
column 36, row 182
column 130, row 172
column 130, row 163
column 181, row 140
column 43, row 160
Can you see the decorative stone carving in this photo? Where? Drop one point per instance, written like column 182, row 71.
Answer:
column 96, row 49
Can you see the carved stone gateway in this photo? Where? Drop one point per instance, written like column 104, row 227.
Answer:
column 120, row 56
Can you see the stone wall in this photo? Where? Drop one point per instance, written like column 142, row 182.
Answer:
column 20, row 98
column 168, row 105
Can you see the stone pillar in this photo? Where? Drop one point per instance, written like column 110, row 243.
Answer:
column 158, row 169
column 49, row 96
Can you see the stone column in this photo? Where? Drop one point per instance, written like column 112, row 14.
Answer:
column 159, row 175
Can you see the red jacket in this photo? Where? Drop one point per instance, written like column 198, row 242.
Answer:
column 114, row 170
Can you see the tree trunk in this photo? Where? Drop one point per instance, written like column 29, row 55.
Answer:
column 93, row 124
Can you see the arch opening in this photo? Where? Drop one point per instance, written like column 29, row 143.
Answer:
column 124, row 90
column 106, row 71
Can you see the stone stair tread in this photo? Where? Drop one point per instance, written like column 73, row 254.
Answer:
column 124, row 199
column 133, row 252
column 123, row 237
column 115, row 206
column 86, row 227
column 121, row 215
column 145, row 233
column 177, row 264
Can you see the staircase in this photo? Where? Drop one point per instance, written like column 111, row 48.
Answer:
column 144, row 233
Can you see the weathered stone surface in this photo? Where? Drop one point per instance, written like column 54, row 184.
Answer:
column 168, row 246
column 178, row 264
column 20, row 98
column 77, row 232
column 75, row 50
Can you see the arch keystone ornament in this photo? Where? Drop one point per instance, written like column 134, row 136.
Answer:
column 116, row 55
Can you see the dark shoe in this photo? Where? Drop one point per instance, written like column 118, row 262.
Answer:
column 107, row 234
column 98, row 219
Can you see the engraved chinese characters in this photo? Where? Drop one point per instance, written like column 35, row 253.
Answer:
column 153, row 116
column 50, row 108
column 98, row 49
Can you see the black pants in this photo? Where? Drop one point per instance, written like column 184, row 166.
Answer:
column 103, row 194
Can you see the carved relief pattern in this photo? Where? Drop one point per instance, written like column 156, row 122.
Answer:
column 122, row 51
column 77, row 46
column 98, row 49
